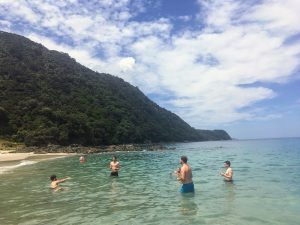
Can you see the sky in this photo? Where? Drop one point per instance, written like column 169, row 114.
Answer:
column 218, row 64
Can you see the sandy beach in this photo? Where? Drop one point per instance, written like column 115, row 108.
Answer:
column 6, row 156
column 9, row 161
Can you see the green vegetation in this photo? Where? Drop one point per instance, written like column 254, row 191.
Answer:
column 9, row 146
column 46, row 97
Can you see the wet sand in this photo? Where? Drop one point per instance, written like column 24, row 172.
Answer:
column 10, row 161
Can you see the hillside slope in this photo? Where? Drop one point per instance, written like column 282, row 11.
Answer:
column 47, row 97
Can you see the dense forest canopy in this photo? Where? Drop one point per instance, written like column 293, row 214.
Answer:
column 47, row 97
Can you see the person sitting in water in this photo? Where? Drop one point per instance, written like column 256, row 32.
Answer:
column 184, row 175
column 82, row 159
column 54, row 182
column 229, row 172
column 114, row 166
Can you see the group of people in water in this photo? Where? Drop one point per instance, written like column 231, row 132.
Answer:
column 184, row 174
column 114, row 166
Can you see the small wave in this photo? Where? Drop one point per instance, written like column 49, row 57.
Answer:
column 26, row 162
column 22, row 163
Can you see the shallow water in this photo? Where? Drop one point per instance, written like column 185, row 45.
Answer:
column 266, row 188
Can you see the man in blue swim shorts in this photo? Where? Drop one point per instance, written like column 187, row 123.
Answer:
column 184, row 175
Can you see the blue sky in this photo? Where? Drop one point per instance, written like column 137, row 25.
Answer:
column 228, row 64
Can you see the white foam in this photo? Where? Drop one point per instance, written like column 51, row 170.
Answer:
column 22, row 163
column 26, row 162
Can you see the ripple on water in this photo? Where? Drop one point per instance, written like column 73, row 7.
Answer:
column 146, row 193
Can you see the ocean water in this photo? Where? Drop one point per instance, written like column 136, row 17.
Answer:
column 266, row 187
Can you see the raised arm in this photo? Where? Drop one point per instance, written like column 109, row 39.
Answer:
column 62, row 180
column 182, row 175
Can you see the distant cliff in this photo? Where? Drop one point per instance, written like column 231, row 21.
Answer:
column 47, row 97
column 214, row 135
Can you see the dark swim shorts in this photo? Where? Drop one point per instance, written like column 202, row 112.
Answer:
column 114, row 174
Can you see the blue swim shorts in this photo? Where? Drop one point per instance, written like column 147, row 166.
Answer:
column 187, row 188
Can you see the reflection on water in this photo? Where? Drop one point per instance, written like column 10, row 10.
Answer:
column 188, row 206
column 229, row 194
column 113, row 195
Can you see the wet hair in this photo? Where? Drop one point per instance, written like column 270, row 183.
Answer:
column 227, row 162
column 53, row 177
column 114, row 157
column 184, row 159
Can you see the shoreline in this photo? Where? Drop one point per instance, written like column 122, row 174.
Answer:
column 79, row 149
column 19, row 155
column 10, row 161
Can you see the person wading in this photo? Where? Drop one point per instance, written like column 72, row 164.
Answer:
column 184, row 175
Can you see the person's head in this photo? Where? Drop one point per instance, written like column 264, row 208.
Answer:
column 183, row 159
column 227, row 164
column 53, row 178
column 114, row 158
column 82, row 159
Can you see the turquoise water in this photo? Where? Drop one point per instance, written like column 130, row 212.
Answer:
column 266, row 188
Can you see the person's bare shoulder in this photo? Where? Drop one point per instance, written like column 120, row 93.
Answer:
column 185, row 168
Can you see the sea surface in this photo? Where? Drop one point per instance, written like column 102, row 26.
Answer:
column 266, row 187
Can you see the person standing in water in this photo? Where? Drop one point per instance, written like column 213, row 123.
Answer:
column 229, row 172
column 184, row 175
column 114, row 166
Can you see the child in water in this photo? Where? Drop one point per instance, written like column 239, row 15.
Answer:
column 54, row 182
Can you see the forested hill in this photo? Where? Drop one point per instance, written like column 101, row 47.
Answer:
column 47, row 97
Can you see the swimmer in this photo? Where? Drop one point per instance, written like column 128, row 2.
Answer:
column 229, row 172
column 114, row 166
column 184, row 175
column 54, row 182
column 82, row 159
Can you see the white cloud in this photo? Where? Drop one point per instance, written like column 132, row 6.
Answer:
column 79, row 23
column 203, row 71
column 276, row 16
column 127, row 64
column 5, row 25
column 219, row 13
column 20, row 9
